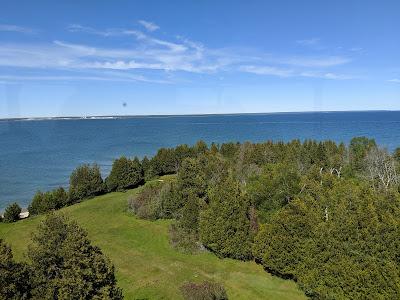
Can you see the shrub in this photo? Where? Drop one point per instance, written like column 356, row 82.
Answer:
column 85, row 182
column 203, row 291
column 183, row 240
column 125, row 173
column 11, row 214
column 147, row 204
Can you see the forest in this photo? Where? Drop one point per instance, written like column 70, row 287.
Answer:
column 323, row 214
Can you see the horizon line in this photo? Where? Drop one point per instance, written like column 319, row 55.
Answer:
column 89, row 117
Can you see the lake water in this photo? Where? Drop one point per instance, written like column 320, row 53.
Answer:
column 41, row 154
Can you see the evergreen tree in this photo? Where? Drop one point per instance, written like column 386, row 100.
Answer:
column 85, row 182
column 125, row 173
column 225, row 224
column 14, row 277
column 11, row 214
column 67, row 266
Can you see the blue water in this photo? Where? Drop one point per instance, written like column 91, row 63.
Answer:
column 41, row 154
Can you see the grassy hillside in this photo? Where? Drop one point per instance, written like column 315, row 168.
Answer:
column 147, row 267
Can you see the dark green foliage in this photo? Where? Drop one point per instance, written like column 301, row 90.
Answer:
column 44, row 202
column 164, row 162
column 125, row 173
column 203, row 291
column 396, row 154
column 188, row 218
column 358, row 149
column 184, row 234
column 172, row 200
column 148, row 171
column 225, row 223
column 14, row 277
column 85, row 182
column 11, row 214
column 66, row 266
column 191, row 178
column 229, row 150
column 274, row 188
column 339, row 241
column 200, row 148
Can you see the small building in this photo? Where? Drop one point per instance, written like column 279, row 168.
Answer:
column 24, row 215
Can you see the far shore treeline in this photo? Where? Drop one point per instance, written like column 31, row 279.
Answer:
column 326, row 215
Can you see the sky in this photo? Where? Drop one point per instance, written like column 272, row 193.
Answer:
column 85, row 58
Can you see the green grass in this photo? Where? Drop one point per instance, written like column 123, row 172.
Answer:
column 146, row 265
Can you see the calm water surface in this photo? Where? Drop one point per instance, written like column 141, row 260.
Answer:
column 41, row 154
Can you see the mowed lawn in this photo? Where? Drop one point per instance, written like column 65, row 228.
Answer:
column 146, row 265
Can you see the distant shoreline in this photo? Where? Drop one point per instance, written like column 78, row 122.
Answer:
column 105, row 117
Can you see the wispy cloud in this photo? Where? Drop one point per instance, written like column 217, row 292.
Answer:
column 267, row 70
column 157, row 57
column 15, row 28
column 317, row 62
column 282, row 72
column 309, row 42
column 396, row 80
column 111, row 76
column 149, row 25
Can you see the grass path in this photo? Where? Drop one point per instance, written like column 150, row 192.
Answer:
column 147, row 267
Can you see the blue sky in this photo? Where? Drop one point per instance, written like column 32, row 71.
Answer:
column 74, row 58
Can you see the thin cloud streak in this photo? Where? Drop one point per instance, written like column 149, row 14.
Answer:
column 284, row 73
column 119, row 78
column 149, row 25
column 15, row 28
column 308, row 42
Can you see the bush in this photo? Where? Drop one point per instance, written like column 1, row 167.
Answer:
column 183, row 240
column 85, row 182
column 12, row 212
column 203, row 291
column 147, row 204
column 125, row 173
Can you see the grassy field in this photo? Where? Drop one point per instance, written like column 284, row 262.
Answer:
column 146, row 265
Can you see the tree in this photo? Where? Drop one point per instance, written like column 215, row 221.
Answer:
column 14, row 277
column 358, row 149
column 396, row 154
column 52, row 200
column 225, row 224
column 200, row 148
column 125, row 173
column 338, row 241
column 191, row 178
column 67, row 266
column 381, row 168
column 164, row 162
column 274, row 188
column 11, row 214
column 85, row 182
